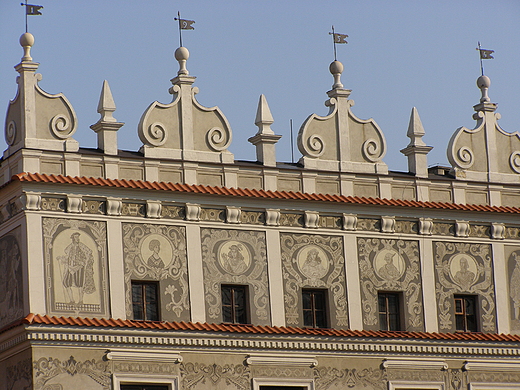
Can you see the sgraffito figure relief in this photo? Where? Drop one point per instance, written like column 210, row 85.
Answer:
column 513, row 268
column 235, row 257
column 515, row 286
column 77, row 270
column 158, row 253
column 462, row 268
column 313, row 261
column 390, row 265
column 11, row 299
column 155, row 261
column 76, row 266
column 385, row 265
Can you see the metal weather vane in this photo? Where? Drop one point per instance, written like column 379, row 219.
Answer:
column 337, row 38
column 184, row 24
column 31, row 9
column 485, row 54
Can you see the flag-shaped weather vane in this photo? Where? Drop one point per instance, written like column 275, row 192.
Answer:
column 31, row 9
column 485, row 54
column 184, row 24
column 337, row 38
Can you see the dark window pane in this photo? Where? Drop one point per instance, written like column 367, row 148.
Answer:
column 389, row 311
column 466, row 313
column 145, row 301
column 234, row 304
column 314, row 304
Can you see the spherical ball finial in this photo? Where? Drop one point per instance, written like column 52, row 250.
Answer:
column 27, row 39
column 483, row 82
column 336, row 67
column 182, row 54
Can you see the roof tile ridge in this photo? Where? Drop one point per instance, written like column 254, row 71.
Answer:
column 28, row 319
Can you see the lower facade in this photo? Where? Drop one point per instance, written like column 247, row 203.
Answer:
column 116, row 359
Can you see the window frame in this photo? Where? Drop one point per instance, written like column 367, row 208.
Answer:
column 399, row 312
column 138, row 379
column 144, row 283
column 234, row 287
column 307, row 384
column 313, row 292
column 463, row 314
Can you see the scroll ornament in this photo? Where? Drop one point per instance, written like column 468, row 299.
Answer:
column 10, row 133
column 62, row 127
column 218, row 139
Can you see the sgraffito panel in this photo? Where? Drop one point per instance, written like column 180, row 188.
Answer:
column 55, row 374
column 313, row 261
column 235, row 257
column 158, row 253
column 11, row 293
column 513, row 271
column 390, row 265
column 75, row 253
column 463, row 268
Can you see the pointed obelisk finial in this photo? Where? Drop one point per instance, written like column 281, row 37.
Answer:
column 106, row 127
column 416, row 151
column 265, row 139
column 106, row 105
column 264, row 119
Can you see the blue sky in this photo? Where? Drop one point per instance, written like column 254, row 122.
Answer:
column 400, row 54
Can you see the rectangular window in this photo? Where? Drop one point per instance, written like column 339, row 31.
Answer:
column 282, row 388
column 314, row 308
column 145, row 300
column 466, row 313
column 389, row 312
column 234, row 304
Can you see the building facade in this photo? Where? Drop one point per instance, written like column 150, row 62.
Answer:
column 177, row 267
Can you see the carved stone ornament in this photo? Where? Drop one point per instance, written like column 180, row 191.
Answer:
column 513, row 268
column 75, row 255
column 340, row 140
column 390, row 265
column 36, row 119
column 11, row 291
column 184, row 128
column 19, row 375
column 92, row 374
column 158, row 252
column 467, row 269
column 313, row 261
column 487, row 151
column 334, row 378
column 272, row 217
column 236, row 257
column 210, row 376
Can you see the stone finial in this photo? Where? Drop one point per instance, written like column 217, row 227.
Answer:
column 27, row 40
column 336, row 69
column 483, row 82
column 106, row 127
column 264, row 119
column 184, row 129
column 487, row 152
column 340, row 141
column 416, row 150
column 181, row 55
column 265, row 139
column 36, row 119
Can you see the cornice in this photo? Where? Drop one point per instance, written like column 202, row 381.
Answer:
column 261, row 344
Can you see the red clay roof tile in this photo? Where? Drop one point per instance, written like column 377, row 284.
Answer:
column 35, row 319
column 239, row 192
